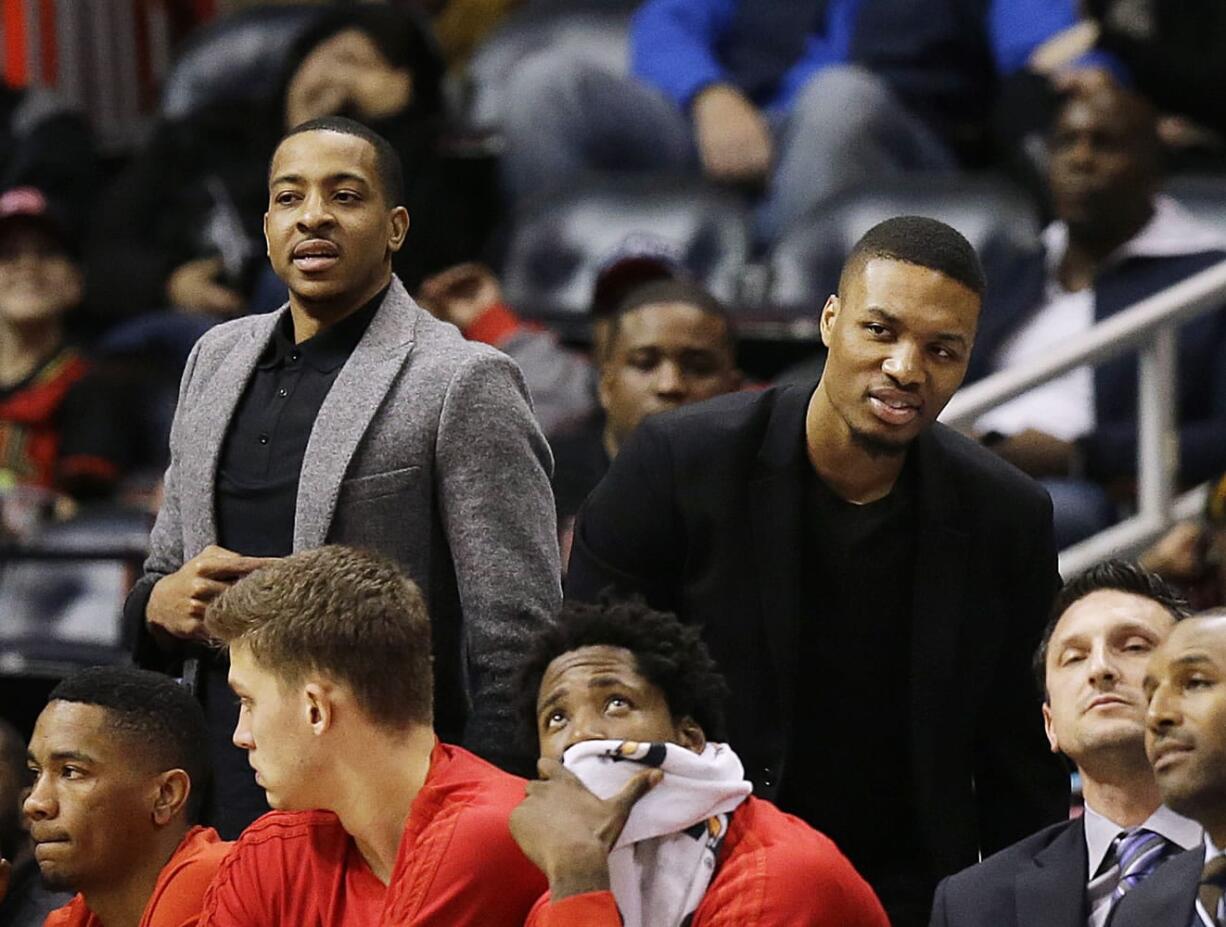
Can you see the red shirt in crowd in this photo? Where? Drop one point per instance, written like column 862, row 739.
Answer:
column 457, row 864
column 774, row 870
column 178, row 892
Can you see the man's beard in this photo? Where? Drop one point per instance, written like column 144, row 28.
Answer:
column 877, row 447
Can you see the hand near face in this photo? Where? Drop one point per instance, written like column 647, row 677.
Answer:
column 568, row 832
column 734, row 142
column 1037, row 453
column 178, row 601
column 193, row 287
column 460, row 294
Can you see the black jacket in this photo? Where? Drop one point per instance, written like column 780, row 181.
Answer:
column 1038, row 882
column 700, row 513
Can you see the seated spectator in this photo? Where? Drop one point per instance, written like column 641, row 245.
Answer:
column 376, row 821
column 800, row 100
column 1105, row 624
column 1192, row 555
column 1116, row 241
column 181, row 226
column 639, row 818
column 26, row 902
column 58, row 427
column 119, row 765
column 1186, row 742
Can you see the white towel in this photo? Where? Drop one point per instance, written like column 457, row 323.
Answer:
column 664, row 860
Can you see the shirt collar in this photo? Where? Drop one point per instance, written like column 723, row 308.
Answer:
column 328, row 349
column 1101, row 831
column 1171, row 231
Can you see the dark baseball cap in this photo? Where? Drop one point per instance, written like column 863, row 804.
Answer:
column 30, row 206
column 638, row 260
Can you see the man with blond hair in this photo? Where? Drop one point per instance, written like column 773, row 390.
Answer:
column 376, row 821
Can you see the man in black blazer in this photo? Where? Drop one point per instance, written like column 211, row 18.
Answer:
column 872, row 584
column 1185, row 738
column 1090, row 666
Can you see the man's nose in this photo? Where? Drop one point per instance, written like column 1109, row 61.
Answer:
column 1102, row 666
column 242, row 732
column 40, row 803
column 315, row 212
column 903, row 365
column 1163, row 711
column 670, row 381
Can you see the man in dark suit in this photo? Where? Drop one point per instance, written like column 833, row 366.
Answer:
column 872, row 583
column 1185, row 738
column 1090, row 667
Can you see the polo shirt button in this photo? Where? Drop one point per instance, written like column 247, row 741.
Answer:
column 768, row 776
column 294, row 355
column 263, row 439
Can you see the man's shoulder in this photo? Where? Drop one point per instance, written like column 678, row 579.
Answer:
column 288, row 841
column 731, row 423
column 465, row 782
column 179, row 894
column 975, row 469
column 1001, row 868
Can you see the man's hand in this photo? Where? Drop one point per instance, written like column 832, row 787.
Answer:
column 1037, row 453
column 6, row 872
column 460, row 294
column 734, row 141
column 178, row 601
column 193, row 287
column 1178, row 554
column 568, row 832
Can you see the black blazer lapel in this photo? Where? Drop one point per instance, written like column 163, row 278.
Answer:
column 1052, row 892
column 776, row 501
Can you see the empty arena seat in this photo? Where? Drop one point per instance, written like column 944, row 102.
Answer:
column 804, row 265
column 598, row 31
column 559, row 243
column 239, row 58
column 1202, row 195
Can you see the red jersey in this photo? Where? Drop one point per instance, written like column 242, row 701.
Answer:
column 178, row 892
column 774, row 870
column 457, row 863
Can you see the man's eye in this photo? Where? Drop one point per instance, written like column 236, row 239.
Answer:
column 286, row 198
column 1197, row 682
column 1070, row 658
column 347, row 196
column 554, row 720
column 618, row 702
column 71, row 772
column 876, row 329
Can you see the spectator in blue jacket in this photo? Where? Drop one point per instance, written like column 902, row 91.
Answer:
column 1116, row 241
column 775, row 96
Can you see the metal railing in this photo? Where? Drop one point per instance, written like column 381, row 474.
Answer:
column 1150, row 328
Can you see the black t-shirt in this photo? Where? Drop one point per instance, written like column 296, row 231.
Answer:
column 848, row 771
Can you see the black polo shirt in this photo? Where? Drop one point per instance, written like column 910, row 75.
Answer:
column 255, row 496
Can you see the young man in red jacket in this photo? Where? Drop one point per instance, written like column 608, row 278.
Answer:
column 640, row 819
column 375, row 820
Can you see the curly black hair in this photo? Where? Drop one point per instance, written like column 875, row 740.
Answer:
column 670, row 655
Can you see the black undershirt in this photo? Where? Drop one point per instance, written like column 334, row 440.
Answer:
column 255, row 497
column 848, row 770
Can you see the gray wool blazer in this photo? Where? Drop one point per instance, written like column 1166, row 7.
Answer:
column 425, row 450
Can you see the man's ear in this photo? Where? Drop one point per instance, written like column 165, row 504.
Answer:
column 267, row 243
column 399, row 221
column 829, row 313
column 174, row 787
column 319, row 706
column 1052, row 741
column 689, row 734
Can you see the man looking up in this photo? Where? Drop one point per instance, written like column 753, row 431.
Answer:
column 118, row 763
column 1090, row 666
column 376, row 821
column 1185, row 738
column 618, row 693
column 822, row 533
column 354, row 416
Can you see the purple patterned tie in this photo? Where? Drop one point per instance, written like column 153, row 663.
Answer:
column 1138, row 853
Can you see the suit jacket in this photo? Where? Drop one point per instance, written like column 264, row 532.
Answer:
column 1167, row 898
column 424, row 450
column 701, row 514
column 1038, row 882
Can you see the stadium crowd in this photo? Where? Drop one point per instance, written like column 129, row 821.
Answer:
column 457, row 609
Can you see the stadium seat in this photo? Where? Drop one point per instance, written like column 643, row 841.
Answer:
column 803, row 266
column 239, row 58
column 559, row 243
column 596, row 30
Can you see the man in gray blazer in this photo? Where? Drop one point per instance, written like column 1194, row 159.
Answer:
column 352, row 416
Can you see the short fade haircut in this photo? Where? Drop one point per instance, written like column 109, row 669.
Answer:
column 921, row 241
column 668, row 654
column 669, row 291
column 387, row 159
column 1110, row 575
column 155, row 713
column 346, row 613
